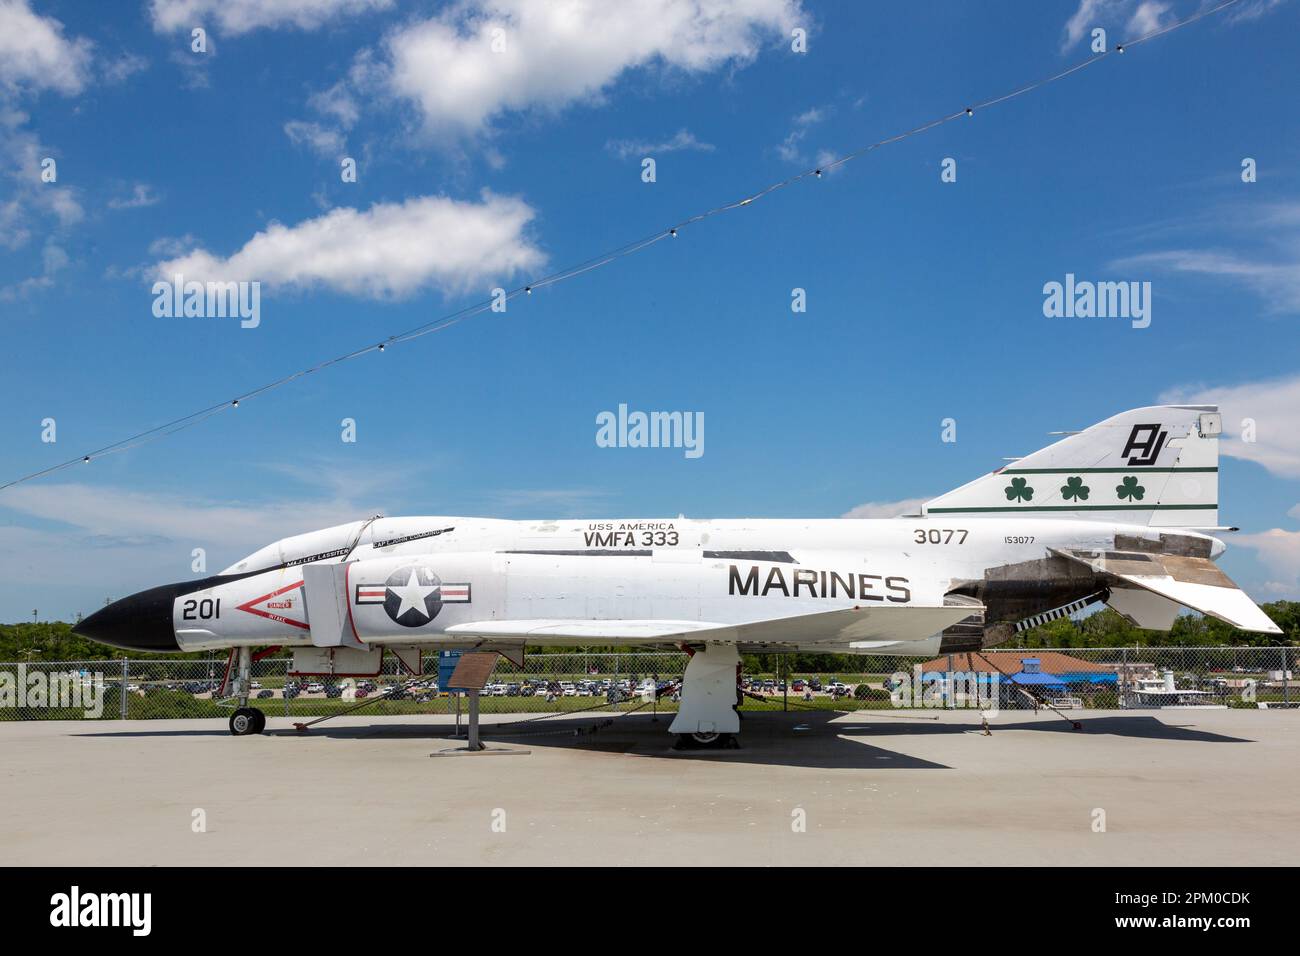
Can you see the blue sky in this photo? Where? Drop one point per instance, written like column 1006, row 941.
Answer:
column 478, row 169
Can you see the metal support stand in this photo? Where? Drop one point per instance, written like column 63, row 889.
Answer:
column 471, row 738
column 473, row 745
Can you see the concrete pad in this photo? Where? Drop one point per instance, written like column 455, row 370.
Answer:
column 1184, row 788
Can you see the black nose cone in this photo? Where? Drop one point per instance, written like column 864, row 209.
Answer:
column 141, row 622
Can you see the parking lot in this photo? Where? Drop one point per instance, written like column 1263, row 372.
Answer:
column 1184, row 787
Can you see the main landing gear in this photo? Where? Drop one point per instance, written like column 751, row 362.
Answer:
column 245, row 720
column 706, row 717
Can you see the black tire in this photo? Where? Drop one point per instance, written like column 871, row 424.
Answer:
column 714, row 741
column 244, row 721
column 260, row 720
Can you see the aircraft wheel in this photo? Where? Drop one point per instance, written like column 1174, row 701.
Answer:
column 709, row 741
column 247, row 720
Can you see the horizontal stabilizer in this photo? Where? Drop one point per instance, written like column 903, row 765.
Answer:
column 1196, row 583
column 846, row 629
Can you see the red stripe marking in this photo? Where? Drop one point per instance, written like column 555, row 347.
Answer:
column 274, row 617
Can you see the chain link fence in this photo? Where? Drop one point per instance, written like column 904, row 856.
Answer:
column 1067, row 678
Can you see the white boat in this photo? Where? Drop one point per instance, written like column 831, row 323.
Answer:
column 1162, row 692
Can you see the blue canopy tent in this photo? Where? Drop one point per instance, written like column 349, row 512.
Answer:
column 1039, row 681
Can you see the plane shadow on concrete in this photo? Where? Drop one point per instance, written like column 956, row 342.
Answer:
column 812, row 740
column 793, row 740
column 1146, row 727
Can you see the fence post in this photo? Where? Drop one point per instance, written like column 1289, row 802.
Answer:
column 123, row 694
column 1286, row 695
column 1123, row 680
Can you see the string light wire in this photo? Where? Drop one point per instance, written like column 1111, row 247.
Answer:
column 599, row 261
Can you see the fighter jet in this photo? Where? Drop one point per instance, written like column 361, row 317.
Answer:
column 1122, row 513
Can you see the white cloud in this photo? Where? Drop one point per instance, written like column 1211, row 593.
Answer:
column 1280, row 551
column 54, row 259
column 234, row 17
column 31, row 204
column 1253, row 10
column 126, row 65
column 319, row 139
column 1265, row 259
column 142, row 195
column 172, row 245
column 110, row 542
column 1140, row 17
column 559, row 502
column 558, row 52
column 338, row 102
column 886, row 509
column 1276, row 282
column 1271, row 405
column 106, row 512
column 389, row 250
column 791, row 148
column 683, row 139
column 1085, row 18
column 1149, row 16
column 35, row 55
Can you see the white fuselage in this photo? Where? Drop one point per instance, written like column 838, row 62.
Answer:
column 727, row 571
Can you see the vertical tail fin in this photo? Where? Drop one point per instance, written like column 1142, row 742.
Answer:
column 1157, row 466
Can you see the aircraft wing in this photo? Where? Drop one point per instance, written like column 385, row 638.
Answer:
column 847, row 629
column 1196, row 583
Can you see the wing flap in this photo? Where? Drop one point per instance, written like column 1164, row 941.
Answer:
column 1196, row 583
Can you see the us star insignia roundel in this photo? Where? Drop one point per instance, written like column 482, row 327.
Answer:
column 413, row 595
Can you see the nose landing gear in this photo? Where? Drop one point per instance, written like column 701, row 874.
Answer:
column 247, row 720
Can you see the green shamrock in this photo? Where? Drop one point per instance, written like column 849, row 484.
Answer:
column 1074, row 488
column 1019, row 489
column 1130, row 489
